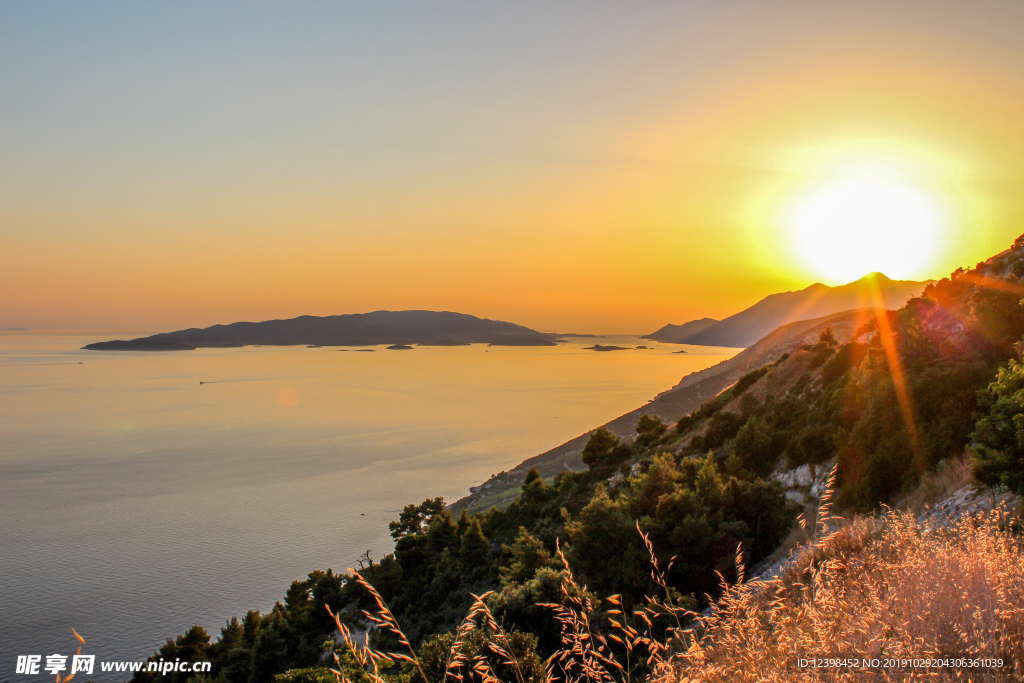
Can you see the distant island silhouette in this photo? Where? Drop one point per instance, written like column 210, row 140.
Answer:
column 396, row 328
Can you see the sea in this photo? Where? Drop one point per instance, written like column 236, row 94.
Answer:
column 144, row 492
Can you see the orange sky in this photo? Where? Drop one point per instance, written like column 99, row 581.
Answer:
column 577, row 170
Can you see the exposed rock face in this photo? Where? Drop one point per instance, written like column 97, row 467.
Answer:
column 969, row 499
column 802, row 484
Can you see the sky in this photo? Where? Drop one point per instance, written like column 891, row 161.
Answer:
column 570, row 166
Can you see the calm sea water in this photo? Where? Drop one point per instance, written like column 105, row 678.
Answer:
column 144, row 492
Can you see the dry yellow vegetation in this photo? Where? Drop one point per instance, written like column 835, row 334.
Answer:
column 888, row 589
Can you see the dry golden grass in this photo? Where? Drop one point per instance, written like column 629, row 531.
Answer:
column 67, row 677
column 948, row 476
column 880, row 588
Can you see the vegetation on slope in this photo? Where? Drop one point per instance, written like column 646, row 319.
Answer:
column 885, row 589
column 905, row 393
column 689, row 394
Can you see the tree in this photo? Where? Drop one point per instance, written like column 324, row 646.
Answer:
column 535, row 494
column 275, row 645
column 414, row 518
column 473, row 545
column 252, row 622
column 646, row 489
column 191, row 646
column 603, row 452
column 748, row 380
column 813, row 445
column 518, row 605
column 599, row 447
column 231, row 652
column 686, row 422
column 757, row 447
column 649, row 429
column 846, row 357
column 722, row 427
column 998, row 437
column 605, row 548
column 526, row 555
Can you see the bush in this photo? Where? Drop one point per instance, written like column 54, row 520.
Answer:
column 604, row 452
column 998, row 437
column 649, row 429
column 758, row 446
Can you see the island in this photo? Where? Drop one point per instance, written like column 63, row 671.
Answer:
column 396, row 328
column 143, row 344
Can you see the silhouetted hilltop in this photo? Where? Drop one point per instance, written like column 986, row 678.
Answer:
column 356, row 329
column 874, row 290
column 676, row 334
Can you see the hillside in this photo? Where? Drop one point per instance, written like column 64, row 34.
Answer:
column 677, row 334
column 751, row 324
column 687, row 395
column 614, row 562
column 887, row 587
column 357, row 329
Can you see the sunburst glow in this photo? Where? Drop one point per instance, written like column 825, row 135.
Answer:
column 868, row 220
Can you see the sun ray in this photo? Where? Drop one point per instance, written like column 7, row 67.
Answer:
column 890, row 346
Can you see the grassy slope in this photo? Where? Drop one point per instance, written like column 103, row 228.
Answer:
column 885, row 587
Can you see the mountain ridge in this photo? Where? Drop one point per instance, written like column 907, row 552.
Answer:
column 874, row 290
column 670, row 333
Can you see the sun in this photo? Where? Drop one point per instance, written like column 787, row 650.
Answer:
column 865, row 220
